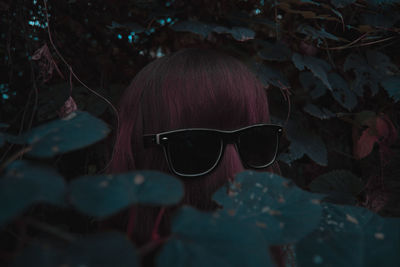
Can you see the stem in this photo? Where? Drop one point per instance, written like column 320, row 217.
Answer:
column 50, row 229
column 151, row 246
column 154, row 235
column 76, row 77
column 14, row 157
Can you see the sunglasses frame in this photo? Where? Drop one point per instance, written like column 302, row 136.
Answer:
column 226, row 137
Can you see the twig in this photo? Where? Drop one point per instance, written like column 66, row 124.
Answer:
column 77, row 78
column 347, row 45
column 14, row 157
column 70, row 68
column 154, row 234
column 50, row 229
column 151, row 246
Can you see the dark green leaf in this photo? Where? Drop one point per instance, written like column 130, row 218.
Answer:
column 304, row 142
column 320, row 113
column 375, row 3
column 268, row 75
column 77, row 130
column 199, row 239
column 275, row 52
column 351, row 236
column 392, row 86
column 341, row 91
column 193, row 26
column 283, row 212
column 369, row 70
column 312, row 83
column 238, row 33
column 381, row 20
column 105, row 249
column 316, row 34
column 342, row 3
column 318, row 67
column 4, row 125
column 25, row 183
column 104, row 195
column 337, row 181
column 380, row 62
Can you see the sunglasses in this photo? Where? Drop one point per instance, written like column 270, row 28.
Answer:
column 197, row 151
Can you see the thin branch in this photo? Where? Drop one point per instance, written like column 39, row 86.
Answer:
column 14, row 157
column 70, row 68
column 47, row 228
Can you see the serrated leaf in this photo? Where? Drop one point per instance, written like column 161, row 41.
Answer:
column 392, row 86
column 104, row 195
column 337, row 181
column 314, row 33
column 199, row 239
column 100, row 250
column 24, row 184
column 242, row 34
column 380, row 20
column 342, row 3
column 351, row 236
column 381, row 62
column 318, row 67
column 320, row 113
column 193, row 26
column 238, row 33
column 284, row 213
column 313, row 84
column 267, row 75
column 369, row 70
column 275, row 52
column 341, row 91
column 79, row 129
column 306, row 143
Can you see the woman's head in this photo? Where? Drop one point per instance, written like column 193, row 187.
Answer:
column 193, row 88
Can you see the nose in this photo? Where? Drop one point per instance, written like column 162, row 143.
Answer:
column 231, row 161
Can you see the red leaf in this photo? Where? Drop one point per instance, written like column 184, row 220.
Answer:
column 365, row 144
column 68, row 107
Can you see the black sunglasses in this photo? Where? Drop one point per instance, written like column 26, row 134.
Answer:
column 197, row 151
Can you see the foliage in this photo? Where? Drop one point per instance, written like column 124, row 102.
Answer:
column 331, row 70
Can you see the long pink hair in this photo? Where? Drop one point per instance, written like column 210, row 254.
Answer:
column 191, row 88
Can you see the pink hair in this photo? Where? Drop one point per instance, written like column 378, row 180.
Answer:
column 190, row 88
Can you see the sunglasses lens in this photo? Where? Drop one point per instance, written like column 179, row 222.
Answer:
column 194, row 152
column 258, row 146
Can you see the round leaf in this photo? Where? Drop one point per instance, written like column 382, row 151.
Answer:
column 200, row 239
column 351, row 236
column 193, row 26
column 25, row 183
column 104, row 195
column 105, row 249
column 318, row 67
column 282, row 212
column 77, row 130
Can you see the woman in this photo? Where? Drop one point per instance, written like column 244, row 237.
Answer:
column 193, row 88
